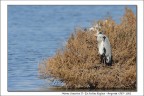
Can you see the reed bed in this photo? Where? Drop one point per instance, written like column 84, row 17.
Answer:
column 77, row 64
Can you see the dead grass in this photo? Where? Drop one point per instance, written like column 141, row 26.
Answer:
column 77, row 64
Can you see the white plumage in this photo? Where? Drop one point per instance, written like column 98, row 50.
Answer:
column 104, row 48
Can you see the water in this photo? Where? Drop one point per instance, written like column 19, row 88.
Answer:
column 36, row 32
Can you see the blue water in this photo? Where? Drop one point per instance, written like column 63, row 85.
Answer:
column 36, row 32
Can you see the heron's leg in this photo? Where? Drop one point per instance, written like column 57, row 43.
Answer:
column 101, row 58
column 104, row 59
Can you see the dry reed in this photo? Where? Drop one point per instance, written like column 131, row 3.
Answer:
column 77, row 64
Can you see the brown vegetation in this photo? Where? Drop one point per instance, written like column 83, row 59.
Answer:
column 77, row 64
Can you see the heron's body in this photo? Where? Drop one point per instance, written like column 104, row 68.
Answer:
column 104, row 49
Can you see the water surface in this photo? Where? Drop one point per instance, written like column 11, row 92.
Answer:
column 36, row 32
